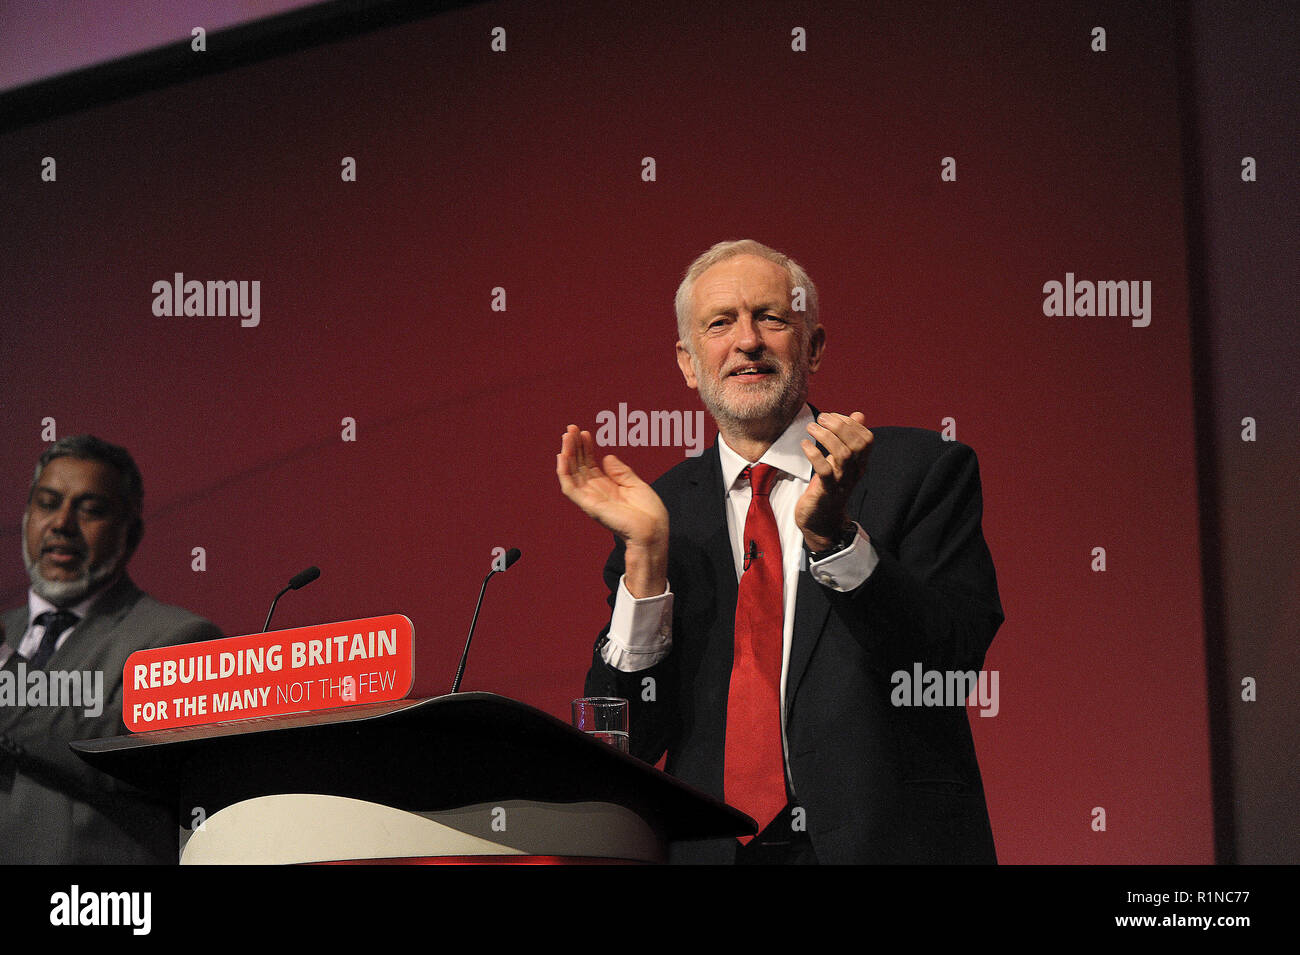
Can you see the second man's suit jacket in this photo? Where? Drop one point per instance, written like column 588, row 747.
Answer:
column 54, row 808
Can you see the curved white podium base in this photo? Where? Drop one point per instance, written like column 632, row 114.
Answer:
column 303, row 828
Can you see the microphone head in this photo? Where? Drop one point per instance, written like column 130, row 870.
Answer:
column 512, row 555
column 304, row 578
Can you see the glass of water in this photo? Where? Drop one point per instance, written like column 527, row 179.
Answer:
column 604, row 717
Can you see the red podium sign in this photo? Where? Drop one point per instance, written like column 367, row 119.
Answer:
column 268, row 674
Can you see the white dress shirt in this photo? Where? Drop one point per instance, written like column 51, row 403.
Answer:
column 640, row 632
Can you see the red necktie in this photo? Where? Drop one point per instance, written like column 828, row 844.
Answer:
column 754, row 765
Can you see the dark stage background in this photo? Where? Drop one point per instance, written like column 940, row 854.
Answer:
column 523, row 170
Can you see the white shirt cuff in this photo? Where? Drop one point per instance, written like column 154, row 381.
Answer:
column 848, row 569
column 640, row 631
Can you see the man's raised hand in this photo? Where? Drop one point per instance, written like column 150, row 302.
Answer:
column 611, row 494
column 820, row 511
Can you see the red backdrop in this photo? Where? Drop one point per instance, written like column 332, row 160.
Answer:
column 523, row 170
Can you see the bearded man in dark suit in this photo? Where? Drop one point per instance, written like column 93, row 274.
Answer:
column 82, row 620
column 766, row 594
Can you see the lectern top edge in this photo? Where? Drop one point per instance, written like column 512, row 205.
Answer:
column 418, row 755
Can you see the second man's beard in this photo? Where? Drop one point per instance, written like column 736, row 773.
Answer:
column 66, row 593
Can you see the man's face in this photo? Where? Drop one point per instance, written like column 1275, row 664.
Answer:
column 749, row 355
column 76, row 529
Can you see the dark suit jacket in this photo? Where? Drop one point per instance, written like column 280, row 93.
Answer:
column 53, row 807
column 878, row 783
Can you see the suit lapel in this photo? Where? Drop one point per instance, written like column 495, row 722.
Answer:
column 703, row 523
column 812, row 604
column 810, row 610
column 82, row 648
column 708, row 514
column 15, row 624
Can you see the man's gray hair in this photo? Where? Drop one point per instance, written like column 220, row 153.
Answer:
column 730, row 249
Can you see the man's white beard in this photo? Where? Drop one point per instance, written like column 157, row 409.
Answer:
column 66, row 593
column 778, row 404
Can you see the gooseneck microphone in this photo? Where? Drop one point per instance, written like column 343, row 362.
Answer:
column 511, row 556
column 299, row 581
